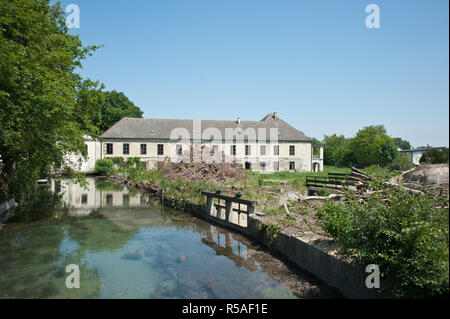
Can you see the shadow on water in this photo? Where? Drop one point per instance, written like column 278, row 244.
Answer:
column 128, row 247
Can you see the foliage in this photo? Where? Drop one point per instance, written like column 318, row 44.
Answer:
column 46, row 107
column 435, row 156
column 115, row 106
column 405, row 235
column 367, row 145
column 270, row 230
column 401, row 162
column 104, row 166
column 403, row 144
column 337, row 152
column 133, row 162
column 118, row 161
column 388, row 152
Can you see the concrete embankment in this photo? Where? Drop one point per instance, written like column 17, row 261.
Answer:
column 345, row 277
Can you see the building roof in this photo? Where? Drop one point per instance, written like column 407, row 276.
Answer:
column 423, row 149
column 138, row 128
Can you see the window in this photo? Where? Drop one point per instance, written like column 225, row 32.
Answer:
column 292, row 166
column 247, row 150
column 160, row 149
column 126, row 199
column 248, row 165
column 109, row 148
column 126, row 149
column 263, row 166
column 84, row 199
column 276, row 150
column 179, row 149
column 233, row 149
column 143, row 149
column 291, row 150
column 87, row 149
column 262, row 150
column 276, row 166
column 109, row 199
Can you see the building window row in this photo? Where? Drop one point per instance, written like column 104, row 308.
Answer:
column 160, row 149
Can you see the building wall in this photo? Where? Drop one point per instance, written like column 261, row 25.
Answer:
column 302, row 157
column 79, row 164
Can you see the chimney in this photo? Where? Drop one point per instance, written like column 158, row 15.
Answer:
column 238, row 120
column 275, row 117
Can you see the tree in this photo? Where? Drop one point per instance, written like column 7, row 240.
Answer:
column 404, row 145
column 336, row 151
column 44, row 104
column 115, row 106
column 388, row 152
column 367, row 145
column 435, row 156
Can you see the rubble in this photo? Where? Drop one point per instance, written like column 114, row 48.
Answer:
column 216, row 172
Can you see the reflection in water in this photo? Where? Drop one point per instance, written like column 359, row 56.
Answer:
column 127, row 248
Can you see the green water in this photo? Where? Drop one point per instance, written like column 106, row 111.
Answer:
column 127, row 246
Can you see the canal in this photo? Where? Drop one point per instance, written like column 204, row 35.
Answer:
column 127, row 246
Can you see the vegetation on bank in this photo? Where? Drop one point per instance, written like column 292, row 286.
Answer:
column 46, row 106
column 406, row 235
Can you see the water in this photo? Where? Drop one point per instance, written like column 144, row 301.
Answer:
column 128, row 246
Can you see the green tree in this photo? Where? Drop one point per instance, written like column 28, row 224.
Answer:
column 404, row 145
column 435, row 156
column 367, row 145
column 115, row 106
column 41, row 96
column 336, row 151
column 388, row 152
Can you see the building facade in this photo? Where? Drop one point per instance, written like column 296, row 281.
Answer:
column 266, row 146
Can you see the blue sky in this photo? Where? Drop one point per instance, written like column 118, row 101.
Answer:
column 314, row 62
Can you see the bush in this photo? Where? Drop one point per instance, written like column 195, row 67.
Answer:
column 435, row 156
column 118, row 161
column 405, row 235
column 401, row 162
column 133, row 162
column 104, row 166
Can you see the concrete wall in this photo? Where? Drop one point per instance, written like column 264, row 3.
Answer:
column 347, row 278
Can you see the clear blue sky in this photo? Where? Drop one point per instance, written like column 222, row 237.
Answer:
column 314, row 62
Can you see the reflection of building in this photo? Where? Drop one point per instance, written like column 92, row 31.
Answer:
column 86, row 199
column 415, row 154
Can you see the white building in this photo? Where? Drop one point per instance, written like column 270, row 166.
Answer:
column 268, row 145
column 78, row 163
column 415, row 154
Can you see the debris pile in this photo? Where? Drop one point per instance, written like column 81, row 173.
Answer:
column 216, row 172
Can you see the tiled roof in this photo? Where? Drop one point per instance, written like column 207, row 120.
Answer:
column 138, row 128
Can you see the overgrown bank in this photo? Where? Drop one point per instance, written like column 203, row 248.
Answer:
column 405, row 234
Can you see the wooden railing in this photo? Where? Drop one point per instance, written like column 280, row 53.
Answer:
column 333, row 181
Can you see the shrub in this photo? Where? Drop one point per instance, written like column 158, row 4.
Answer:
column 133, row 162
column 401, row 162
column 104, row 166
column 118, row 161
column 435, row 156
column 405, row 235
